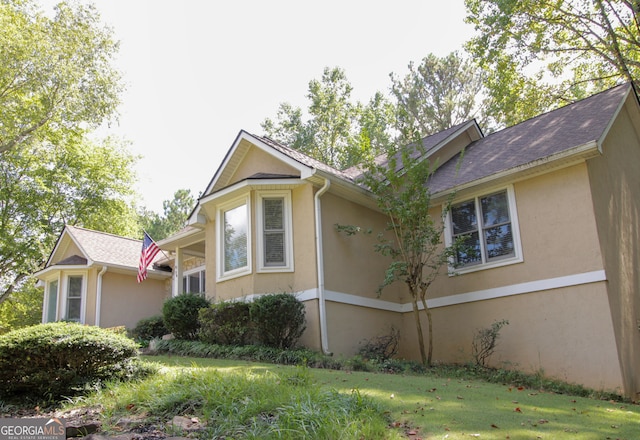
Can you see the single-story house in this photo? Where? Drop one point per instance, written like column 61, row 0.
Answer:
column 551, row 206
column 90, row 277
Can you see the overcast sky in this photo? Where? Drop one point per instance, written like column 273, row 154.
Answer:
column 198, row 71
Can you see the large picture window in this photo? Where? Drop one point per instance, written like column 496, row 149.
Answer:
column 234, row 237
column 485, row 229
column 275, row 246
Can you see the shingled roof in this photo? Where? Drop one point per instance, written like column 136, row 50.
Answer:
column 106, row 249
column 538, row 138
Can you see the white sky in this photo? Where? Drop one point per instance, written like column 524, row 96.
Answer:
column 198, row 71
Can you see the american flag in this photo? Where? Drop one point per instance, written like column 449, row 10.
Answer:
column 149, row 250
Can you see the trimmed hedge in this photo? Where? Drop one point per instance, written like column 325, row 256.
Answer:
column 279, row 319
column 150, row 328
column 48, row 361
column 226, row 323
column 180, row 315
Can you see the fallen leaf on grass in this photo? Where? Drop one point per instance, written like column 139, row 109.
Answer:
column 518, row 409
column 493, row 425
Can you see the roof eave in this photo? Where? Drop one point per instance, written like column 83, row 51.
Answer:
column 547, row 164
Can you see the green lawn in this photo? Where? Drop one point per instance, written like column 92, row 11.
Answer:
column 458, row 409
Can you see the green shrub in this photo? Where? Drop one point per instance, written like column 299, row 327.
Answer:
column 226, row 323
column 180, row 315
column 48, row 361
column 149, row 328
column 485, row 341
column 279, row 319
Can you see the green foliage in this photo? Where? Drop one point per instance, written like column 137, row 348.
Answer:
column 56, row 77
column 484, row 342
column 180, row 315
column 337, row 132
column 440, row 93
column 248, row 403
column 542, row 54
column 226, row 323
column 47, row 361
column 173, row 218
column 149, row 328
column 279, row 319
column 45, row 186
column 22, row 309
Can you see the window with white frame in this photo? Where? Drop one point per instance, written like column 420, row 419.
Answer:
column 74, row 298
column 486, row 231
column 193, row 281
column 52, row 301
column 275, row 243
column 234, row 238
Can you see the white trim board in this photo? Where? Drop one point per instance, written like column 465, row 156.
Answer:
column 462, row 298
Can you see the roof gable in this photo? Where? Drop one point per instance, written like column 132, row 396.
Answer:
column 97, row 247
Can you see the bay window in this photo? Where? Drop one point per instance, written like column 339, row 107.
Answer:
column 234, row 238
column 275, row 244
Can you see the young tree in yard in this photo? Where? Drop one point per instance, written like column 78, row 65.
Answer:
column 56, row 78
column 540, row 54
column 415, row 246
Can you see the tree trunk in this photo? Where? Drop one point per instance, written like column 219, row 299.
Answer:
column 416, row 315
column 427, row 310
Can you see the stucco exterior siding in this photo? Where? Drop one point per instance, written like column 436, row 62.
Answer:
column 257, row 161
column 349, row 326
column 142, row 300
column 351, row 264
column 559, row 332
column 615, row 183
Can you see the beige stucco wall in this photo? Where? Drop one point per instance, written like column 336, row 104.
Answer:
column 125, row 301
column 560, row 332
column 351, row 264
column 615, row 185
column 257, row 161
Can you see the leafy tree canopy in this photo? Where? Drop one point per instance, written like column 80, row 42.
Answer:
column 337, row 131
column 43, row 187
column 542, row 53
column 173, row 219
column 56, row 77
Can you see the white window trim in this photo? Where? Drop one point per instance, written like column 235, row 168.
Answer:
column 288, row 232
column 64, row 286
column 198, row 269
column 221, row 275
column 515, row 228
column 45, row 303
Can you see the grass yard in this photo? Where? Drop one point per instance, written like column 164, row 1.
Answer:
column 306, row 402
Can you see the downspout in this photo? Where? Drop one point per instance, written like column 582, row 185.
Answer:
column 320, row 268
column 99, row 295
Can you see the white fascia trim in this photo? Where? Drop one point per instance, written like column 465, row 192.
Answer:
column 605, row 132
column 248, row 183
column 462, row 298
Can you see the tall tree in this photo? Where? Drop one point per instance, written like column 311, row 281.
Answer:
column 542, row 53
column 43, row 187
column 174, row 218
column 335, row 130
column 440, row 93
column 415, row 244
column 56, row 76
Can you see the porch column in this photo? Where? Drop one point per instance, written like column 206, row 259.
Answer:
column 178, row 270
